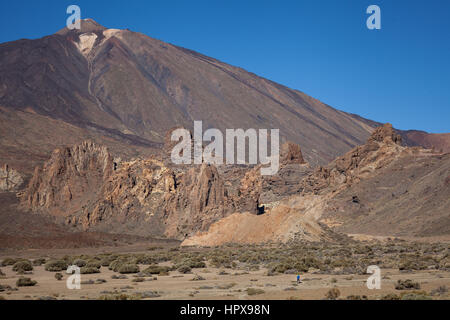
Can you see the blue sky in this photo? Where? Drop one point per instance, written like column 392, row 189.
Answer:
column 399, row 74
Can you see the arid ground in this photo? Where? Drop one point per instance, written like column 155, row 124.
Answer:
column 149, row 271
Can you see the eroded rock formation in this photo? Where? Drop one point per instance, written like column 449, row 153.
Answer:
column 10, row 179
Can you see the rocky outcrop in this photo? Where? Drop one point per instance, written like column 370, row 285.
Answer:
column 90, row 190
column 291, row 153
column 69, row 179
column 382, row 147
column 10, row 179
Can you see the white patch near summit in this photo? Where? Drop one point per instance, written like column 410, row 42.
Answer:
column 86, row 42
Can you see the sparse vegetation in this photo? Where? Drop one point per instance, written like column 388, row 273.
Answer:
column 406, row 285
column 89, row 270
column 184, row 269
column 22, row 266
column 25, row 282
column 128, row 268
column 39, row 262
column 56, row 265
column 8, row 262
column 333, row 294
column 156, row 269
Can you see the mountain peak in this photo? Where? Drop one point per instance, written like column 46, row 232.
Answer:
column 87, row 25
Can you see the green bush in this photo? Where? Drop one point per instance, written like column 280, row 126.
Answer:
column 106, row 261
column 22, row 266
column 25, row 282
column 79, row 263
column 89, row 270
column 406, row 285
column 156, row 269
column 416, row 295
column 94, row 264
column 39, row 262
column 390, row 296
column 116, row 264
column 8, row 262
column 56, row 265
column 58, row 276
column 184, row 269
column 128, row 268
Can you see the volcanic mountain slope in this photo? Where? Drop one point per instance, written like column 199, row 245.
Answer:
column 117, row 85
column 379, row 188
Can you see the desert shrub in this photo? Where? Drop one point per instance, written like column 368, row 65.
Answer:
column 94, row 264
column 2, row 274
column 184, row 269
column 56, row 265
column 79, row 263
column 38, row 262
column 122, row 276
column 25, row 282
column 253, row 291
column 439, row 291
column 2, row 298
column 128, row 268
column 197, row 278
column 89, row 270
column 221, row 260
column 406, row 285
column 22, row 266
column 106, row 261
column 156, row 269
column 144, row 259
column 332, row 294
column 8, row 262
column 415, row 295
column 139, row 279
column 390, row 296
column 58, row 276
column 121, row 296
column 356, row 297
column 412, row 264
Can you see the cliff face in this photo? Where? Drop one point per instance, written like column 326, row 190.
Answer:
column 88, row 189
column 70, row 178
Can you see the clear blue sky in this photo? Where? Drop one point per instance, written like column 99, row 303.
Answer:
column 399, row 74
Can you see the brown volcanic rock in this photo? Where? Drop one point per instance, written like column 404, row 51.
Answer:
column 68, row 179
column 380, row 149
column 90, row 190
column 199, row 200
column 291, row 153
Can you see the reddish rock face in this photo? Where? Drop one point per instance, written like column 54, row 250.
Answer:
column 291, row 153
